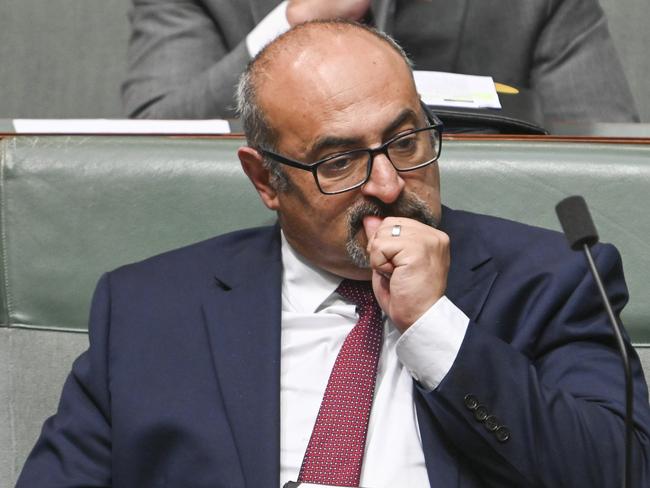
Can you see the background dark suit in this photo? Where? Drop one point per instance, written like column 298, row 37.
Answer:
column 185, row 56
column 180, row 386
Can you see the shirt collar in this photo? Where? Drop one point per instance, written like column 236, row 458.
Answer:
column 304, row 286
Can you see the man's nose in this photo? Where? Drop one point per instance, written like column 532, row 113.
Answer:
column 385, row 183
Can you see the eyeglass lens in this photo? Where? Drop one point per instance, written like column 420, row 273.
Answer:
column 350, row 169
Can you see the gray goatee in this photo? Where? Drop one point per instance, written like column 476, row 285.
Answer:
column 407, row 205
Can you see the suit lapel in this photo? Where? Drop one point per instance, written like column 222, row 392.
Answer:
column 242, row 314
column 472, row 271
column 471, row 276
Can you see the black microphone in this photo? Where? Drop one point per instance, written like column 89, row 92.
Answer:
column 581, row 233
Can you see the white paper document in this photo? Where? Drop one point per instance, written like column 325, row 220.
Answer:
column 455, row 90
column 121, row 126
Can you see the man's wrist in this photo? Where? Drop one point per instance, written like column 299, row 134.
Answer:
column 429, row 347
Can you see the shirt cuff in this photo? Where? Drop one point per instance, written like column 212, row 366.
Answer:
column 271, row 26
column 429, row 347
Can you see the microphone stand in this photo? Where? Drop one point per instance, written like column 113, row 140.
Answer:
column 629, row 386
column 581, row 233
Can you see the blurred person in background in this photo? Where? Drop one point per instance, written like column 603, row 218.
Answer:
column 185, row 56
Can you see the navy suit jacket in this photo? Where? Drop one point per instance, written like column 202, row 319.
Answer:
column 180, row 386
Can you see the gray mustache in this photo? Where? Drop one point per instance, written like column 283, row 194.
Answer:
column 406, row 206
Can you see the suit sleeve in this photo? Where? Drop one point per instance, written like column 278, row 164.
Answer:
column 541, row 403
column 74, row 448
column 576, row 69
column 182, row 62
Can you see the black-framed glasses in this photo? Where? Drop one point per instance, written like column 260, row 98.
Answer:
column 341, row 172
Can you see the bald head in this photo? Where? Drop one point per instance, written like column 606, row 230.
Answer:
column 308, row 68
column 318, row 35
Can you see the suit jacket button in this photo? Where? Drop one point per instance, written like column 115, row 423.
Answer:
column 471, row 402
column 502, row 434
column 491, row 423
column 481, row 413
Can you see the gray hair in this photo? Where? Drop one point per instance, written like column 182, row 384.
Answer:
column 258, row 131
column 259, row 134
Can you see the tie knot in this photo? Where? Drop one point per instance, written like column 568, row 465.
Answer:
column 358, row 292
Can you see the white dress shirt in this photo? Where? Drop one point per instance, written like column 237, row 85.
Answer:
column 271, row 26
column 315, row 322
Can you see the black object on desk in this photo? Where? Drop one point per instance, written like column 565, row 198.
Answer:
column 520, row 114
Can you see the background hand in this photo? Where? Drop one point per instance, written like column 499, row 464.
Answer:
column 304, row 10
column 409, row 272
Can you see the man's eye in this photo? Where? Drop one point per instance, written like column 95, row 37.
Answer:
column 337, row 165
column 406, row 143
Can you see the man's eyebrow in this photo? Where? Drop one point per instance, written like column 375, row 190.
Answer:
column 326, row 142
column 405, row 115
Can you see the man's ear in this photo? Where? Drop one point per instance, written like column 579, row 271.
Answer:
column 253, row 164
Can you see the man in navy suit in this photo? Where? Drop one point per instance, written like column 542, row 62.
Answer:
column 207, row 365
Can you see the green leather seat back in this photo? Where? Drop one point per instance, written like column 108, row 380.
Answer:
column 77, row 207
column 74, row 207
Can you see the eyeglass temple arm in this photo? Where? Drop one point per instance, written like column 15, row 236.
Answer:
column 433, row 118
column 287, row 161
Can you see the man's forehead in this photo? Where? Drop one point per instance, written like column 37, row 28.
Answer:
column 332, row 73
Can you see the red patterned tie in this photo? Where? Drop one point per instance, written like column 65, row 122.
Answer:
column 335, row 451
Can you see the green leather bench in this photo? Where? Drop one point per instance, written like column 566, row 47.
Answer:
column 74, row 207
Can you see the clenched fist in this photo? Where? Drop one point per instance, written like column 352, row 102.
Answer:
column 409, row 271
